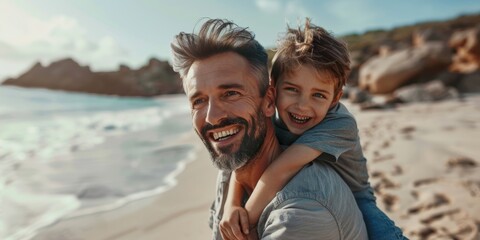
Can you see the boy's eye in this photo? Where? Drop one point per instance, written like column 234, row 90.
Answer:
column 318, row 95
column 291, row 89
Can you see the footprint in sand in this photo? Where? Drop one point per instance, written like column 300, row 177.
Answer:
column 397, row 170
column 407, row 132
column 381, row 158
column 461, row 162
column 428, row 200
column 385, row 183
column 424, row 181
column 446, row 223
column 473, row 187
column 390, row 201
column 437, row 218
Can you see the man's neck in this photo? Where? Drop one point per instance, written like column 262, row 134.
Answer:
column 249, row 174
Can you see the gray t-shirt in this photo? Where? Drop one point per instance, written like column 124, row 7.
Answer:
column 315, row 204
column 337, row 136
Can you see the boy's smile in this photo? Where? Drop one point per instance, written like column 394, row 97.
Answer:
column 304, row 97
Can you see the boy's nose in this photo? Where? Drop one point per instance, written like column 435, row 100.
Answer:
column 302, row 103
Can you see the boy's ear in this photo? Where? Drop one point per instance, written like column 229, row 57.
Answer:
column 337, row 98
column 269, row 102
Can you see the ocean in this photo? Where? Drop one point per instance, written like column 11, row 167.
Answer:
column 67, row 154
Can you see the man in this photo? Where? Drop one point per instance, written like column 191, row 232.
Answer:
column 224, row 73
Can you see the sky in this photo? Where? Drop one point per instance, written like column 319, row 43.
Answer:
column 106, row 33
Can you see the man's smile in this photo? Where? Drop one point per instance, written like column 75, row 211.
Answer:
column 222, row 137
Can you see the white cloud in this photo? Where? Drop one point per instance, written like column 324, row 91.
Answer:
column 32, row 39
column 353, row 14
column 296, row 8
column 269, row 6
column 289, row 9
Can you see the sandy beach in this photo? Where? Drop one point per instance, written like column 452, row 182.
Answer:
column 423, row 163
column 180, row 213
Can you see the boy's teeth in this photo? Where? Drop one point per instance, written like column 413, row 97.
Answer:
column 225, row 133
column 299, row 119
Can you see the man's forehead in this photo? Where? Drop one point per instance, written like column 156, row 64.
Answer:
column 228, row 62
column 219, row 70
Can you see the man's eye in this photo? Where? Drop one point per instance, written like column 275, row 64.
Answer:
column 318, row 95
column 231, row 93
column 197, row 102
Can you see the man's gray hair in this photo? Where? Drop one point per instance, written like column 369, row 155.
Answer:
column 219, row 36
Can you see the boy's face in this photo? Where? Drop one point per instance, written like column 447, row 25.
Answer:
column 304, row 97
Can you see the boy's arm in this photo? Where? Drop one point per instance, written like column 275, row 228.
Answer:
column 276, row 176
column 234, row 223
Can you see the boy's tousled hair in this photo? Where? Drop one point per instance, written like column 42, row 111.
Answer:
column 219, row 36
column 312, row 46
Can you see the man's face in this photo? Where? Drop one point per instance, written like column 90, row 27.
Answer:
column 226, row 108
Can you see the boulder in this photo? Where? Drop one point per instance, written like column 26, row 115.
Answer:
column 429, row 92
column 385, row 74
column 467, row 50
column 356, row 95
column 469, row 83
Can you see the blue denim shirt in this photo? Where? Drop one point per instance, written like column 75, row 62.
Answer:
column 315, row 204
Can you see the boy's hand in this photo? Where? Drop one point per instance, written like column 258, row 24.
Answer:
column 253, row 234
column 234, row 224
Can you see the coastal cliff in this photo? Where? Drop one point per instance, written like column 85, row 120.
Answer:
column 155, row 78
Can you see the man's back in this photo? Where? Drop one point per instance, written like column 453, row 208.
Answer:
column 315, row 204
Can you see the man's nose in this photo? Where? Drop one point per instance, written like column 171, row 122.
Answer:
column 216, row 113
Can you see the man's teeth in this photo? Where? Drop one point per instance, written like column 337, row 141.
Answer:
column 224, row 134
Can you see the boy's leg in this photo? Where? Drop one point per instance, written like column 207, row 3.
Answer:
column 379, row 225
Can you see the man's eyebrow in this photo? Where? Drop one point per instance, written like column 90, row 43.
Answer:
column 232, row 85
column 195, row 95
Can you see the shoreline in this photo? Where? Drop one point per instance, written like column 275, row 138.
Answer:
column 170, row 214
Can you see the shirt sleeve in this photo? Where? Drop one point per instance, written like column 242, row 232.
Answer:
column 301, row 219
column 334, row 136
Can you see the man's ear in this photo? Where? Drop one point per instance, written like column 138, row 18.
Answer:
column 337, row 98
column 269, row 102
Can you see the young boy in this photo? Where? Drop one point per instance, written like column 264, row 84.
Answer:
column 309, row 70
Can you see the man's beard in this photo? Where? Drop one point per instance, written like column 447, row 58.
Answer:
column 248, row 149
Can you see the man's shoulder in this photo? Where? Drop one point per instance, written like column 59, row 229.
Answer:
column 315, row 201
column 316, row 180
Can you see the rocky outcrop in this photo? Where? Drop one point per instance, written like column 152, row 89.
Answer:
column 384, row 74
column 467, row 50
column 420, row 62
column 156, row 78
